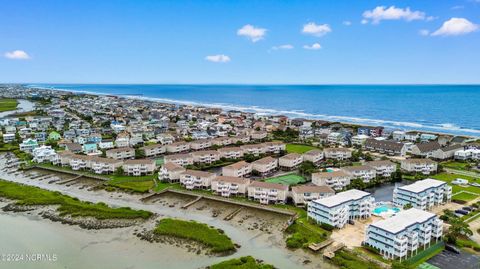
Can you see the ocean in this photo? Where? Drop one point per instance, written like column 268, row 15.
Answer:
column 453, row 109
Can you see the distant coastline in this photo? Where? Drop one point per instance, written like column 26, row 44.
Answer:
column 151, row 94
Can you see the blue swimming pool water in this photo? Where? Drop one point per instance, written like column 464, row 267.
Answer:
column 385, row 208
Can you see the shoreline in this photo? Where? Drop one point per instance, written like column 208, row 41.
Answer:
column 270, row 112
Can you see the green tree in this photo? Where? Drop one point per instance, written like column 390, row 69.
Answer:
column 457, row 228
column 358, row 184
column 407, row 206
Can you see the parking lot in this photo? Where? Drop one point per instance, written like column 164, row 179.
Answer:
column 450, row 260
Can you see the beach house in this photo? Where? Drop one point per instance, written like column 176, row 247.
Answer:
column 230, row 186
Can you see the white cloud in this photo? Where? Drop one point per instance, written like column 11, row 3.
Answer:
column 17, row 55
column 283, row 47
column 314, row 46
column 312, row 28
column 219, row 58
column 251, row 32
column 457, row 7
column 347, row 23
column 456, row 26
column 393, row 13
column 364, row 21
column 424, row 32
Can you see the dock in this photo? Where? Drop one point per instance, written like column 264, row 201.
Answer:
column 316, row 247
column 185, row 206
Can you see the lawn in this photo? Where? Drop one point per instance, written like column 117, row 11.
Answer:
column 464, row 196
column 28, row 195
column 456, row 188
column 211, row 237
column 247, row 262
column 134, row 184
column 289, row 179
column 456, row 165
column 299, row 148
column 7, row 104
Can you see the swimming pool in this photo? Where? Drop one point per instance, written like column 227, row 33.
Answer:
column 385, row 209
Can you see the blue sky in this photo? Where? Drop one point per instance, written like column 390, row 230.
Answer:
column 247, row 42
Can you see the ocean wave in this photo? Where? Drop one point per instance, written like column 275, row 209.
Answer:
column 403, row 125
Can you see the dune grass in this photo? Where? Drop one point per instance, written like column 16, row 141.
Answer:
column 211, row 237
column 7, row 104
column 134, row 184
column 247, row 262
column 28, row 195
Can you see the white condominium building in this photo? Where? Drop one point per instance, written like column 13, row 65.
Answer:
column 254, row 149
column 336, row 179
column 228, row 186
column 274, row 147
column 423, row 194
column 121, row 153
column 170, row 172
column 200, row 144
column 314, row 156
column 139, row 167
column 205, row 156
column 404, row 233
column 336, row 210
column 365, row 172
column 303, row 194
column 238, row 169
column 290, row 161
column 231, row 152
column 383, row 168
column 180, row 159
column 178, row 147
column 265, row 165
column 337, row 153
column 267, row 193
column 424, row 166
column 193, row 179
column 44, row 154
column 154, row 150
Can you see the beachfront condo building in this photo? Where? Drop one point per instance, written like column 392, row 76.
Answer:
column 238, row 169
column 182, row 159
column 121, row 153
column 364, row 172
column 170, row 172
column 337, row 153
column 265, row 166
column 194, row 179
column 423, row 166
column 205, row 156
column 200, row 144
column 154, row 150
column 274, row 147
column 231, row 152
column 290, row 161
column 384, row 168
column 403, row 234
column 423, row 194
column 315, row 156
column 337, row 180
column 178, row 147
column 254, row 149
column 230, row 186
column 303, row 194
column 267, row 193
column 139, row 167
column 338, row 209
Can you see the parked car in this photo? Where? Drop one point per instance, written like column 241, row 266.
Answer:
column 462, row 212
column 452, row 249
